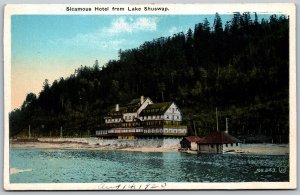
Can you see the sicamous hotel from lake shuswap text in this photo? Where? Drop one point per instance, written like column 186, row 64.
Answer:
column 141, row 118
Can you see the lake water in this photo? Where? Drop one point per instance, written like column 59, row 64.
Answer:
column 88, row 166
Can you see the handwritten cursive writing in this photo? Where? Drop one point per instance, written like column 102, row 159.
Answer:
column 132, row 186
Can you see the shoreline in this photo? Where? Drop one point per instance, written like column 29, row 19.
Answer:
column 257, row 149
column 86, row 146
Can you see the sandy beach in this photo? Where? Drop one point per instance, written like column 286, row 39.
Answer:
column 75, row 146
column 263, row 149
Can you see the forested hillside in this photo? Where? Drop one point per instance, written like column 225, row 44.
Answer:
column 241, row 69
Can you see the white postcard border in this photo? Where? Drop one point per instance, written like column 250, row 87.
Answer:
column 180, row 9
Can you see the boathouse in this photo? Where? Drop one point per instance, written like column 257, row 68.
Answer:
column 218, row 142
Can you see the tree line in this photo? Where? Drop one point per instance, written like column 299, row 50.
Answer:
column 240, row 67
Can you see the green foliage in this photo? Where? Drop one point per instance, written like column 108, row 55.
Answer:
column 243, row 70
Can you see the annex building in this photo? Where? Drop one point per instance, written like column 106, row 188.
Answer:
column 142, row 118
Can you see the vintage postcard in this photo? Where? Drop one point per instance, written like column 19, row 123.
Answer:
column 150, row 96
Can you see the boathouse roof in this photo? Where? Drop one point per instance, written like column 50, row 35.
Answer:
column 194, row 138
column 219, row 137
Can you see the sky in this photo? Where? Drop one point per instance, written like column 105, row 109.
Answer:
column 53, row 46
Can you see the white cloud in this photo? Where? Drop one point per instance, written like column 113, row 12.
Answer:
column 130, row 25
column 173, row 30
column 93, row 40
column 109, row 37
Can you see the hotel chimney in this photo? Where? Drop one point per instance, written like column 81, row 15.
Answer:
column 142, row 99
column 117, row 107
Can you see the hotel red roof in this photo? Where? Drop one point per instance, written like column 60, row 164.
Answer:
column 218, row 137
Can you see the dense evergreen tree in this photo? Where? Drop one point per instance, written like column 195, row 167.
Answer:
column 243, row 70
